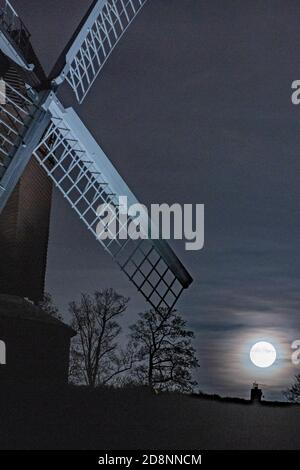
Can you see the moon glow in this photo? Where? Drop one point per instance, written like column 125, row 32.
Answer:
column 263, row 354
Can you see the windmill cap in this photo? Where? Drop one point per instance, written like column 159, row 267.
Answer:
column 13, row 307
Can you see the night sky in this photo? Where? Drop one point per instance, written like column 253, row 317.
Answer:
column 194, row 107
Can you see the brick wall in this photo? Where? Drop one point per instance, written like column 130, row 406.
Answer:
column 24, row 232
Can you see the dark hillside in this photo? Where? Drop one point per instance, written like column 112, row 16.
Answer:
column 77, row 418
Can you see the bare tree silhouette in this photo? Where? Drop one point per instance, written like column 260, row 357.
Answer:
column 293, row 393
column 94, row 356
column 164, row 350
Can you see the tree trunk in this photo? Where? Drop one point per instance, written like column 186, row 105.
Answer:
column 150, row 372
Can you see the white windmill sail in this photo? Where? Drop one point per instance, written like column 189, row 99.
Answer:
column 22, row 124
column 36, row 123
column 87, row 179
column 95, row 39
column 15, row 41
column 22, row 120
column 14, row 36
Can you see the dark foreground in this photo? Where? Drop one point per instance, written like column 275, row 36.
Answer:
column 136, row 419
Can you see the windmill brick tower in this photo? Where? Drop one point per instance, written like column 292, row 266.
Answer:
column 24, row 221
column 24, row 232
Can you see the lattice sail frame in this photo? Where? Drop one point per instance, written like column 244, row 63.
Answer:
column 18, row 109
column 87, row 179
column 101, row 32
column 14, row 36
column 22, row 124
column 71, row 157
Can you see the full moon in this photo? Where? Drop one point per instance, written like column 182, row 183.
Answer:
column 263, row 354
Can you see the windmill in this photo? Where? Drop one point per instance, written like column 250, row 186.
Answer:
column 37, row 130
